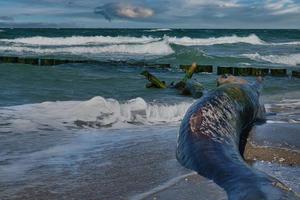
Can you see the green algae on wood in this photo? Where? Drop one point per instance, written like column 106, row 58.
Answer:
column 154, row 80
column 189, row 73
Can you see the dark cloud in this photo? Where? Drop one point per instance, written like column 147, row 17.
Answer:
column 35, row 25
column 6, row 18
column 153, row 13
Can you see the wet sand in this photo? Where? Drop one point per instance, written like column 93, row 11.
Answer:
column 105, row 164
column 111, row 164
column 191, row 187
column 275, row 143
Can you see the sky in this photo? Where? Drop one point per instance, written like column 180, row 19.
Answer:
column 150, row 13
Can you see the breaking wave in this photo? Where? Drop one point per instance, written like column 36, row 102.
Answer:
column 287, row 111
column 96, row 112
column 154, row 48
column 291, row 59
column 118, row 47
column 80, row 40
column 187, row 41
column 159, row 30
column 287, row 43
column 102, row 40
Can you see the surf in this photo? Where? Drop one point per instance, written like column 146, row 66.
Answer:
column 155, row 48
column 97, row 112
column 80, row 40
column 290, row 59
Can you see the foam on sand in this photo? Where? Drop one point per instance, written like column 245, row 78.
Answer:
column 164, row 186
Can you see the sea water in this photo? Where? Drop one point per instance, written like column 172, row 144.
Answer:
column 92, row 130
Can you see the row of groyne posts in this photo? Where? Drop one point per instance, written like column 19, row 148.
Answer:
column 237, row 71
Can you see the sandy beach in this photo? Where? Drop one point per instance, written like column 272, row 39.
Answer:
column 137, row 165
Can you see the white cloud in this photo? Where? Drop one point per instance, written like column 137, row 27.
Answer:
column 219, row 3
column 132, row 11
column 124, row 10
column 280, row 7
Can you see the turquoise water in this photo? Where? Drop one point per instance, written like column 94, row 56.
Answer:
column 65, row 116
column 256, row 48
column 218, row 47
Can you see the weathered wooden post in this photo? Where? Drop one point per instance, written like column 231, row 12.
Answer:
column 199, row 68
column 155, row 82
column 205, row 68
column 259, row 71
column 190, row 72
column 242, row 71
column 9, row 59
column 224, row 70
column 296, row 74
column 278, row 72
column 47, row 62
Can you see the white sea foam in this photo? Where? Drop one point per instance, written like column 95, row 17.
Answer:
column 158, row 30
column 154, row 48
column 104, row 40
column 287, row 111
column 96, row 112
column 80, row 40
column 187, row 41
column 161, row 187
column 291, row 59
column 287, row 43
column 101, row 40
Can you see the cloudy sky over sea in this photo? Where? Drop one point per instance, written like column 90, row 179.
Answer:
column 151, row 13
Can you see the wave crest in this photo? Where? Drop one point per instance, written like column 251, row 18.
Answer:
column 288, row 111
column 102, row 40
column 154, row 48
column 291, row 59
column 159, row 30
column 187, row 41
column 96, row 112
column 80, row 40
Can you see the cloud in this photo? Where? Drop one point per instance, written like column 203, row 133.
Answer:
column 35, row 25
column 6, row 18
column 153, row 13
column 218, row 3
column 281, row 7
column 124, row 10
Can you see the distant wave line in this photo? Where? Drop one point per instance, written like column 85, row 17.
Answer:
column 104, row 40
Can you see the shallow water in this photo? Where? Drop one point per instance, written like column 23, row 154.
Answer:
column 104, row 164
